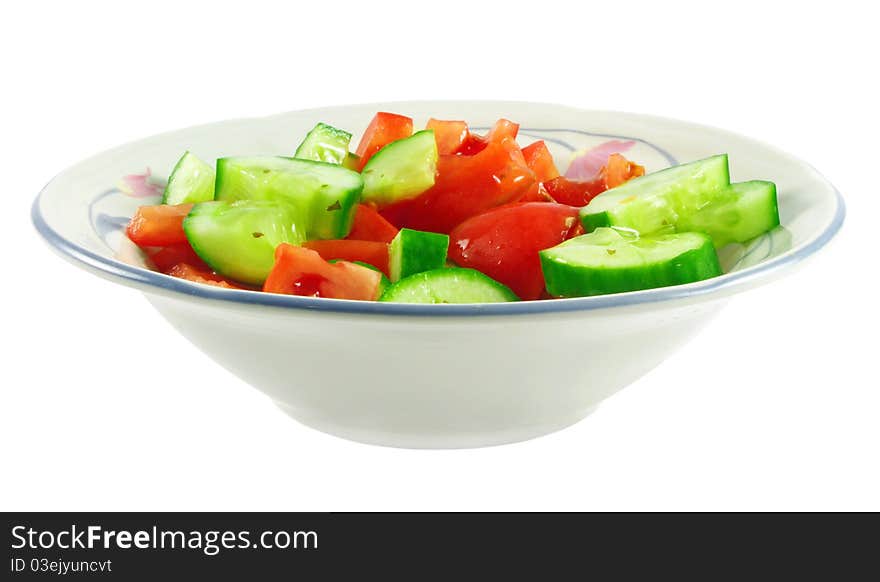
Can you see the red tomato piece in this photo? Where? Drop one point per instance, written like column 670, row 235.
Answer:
column 572, row 192
column 383, row 129
column 537, row 193
column 504, row 242
column 615, row 172
column 503, row 128
column 302, row 271
column 474, row 144
column 166, row 257
column 191, row 273
column 370, row 225
column 158, row 226
column 450, row 135
column 466, row 186
column 618, row 170
column 370, row 252
column 540, row 160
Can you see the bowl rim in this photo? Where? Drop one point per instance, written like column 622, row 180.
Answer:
column 140, row 277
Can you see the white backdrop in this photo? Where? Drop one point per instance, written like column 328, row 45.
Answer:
column 104, row 406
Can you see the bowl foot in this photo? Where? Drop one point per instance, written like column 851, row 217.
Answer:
column 435, row 439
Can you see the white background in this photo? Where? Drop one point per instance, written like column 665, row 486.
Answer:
column 104, row 406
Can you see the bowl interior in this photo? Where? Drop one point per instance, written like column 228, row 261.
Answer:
column 83, row 211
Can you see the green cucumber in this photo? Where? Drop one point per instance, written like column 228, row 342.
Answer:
column 611, row 261
column 739, row 213
column 448, row 286
column 653, row 203
column 324, row 143
column 238, row 239
column 414, row 251
column 326, row 194
column 402, row 169
column 191, row 181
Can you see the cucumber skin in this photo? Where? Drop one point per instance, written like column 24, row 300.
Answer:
column 339, row 228
column 313, row 146
column 317, row 205
column 591, row 222
column 169, row 196
column 415, row 251
column 442, row 286
column 401, row 170
column 570, row 280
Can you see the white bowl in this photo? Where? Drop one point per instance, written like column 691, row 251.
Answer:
column 437, row 376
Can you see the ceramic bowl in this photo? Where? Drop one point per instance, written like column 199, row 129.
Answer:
column 436, row 376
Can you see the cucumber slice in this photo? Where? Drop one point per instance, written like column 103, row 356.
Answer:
column 326, row 194
column 448, row 286
column 238, row 239
column 654, row 203
column 324, row 143
column 191, row 181
column 610, row 261
column 401, row 170
column 414, row 251
column 739, row 213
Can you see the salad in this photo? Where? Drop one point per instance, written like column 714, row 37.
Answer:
column 443, row 215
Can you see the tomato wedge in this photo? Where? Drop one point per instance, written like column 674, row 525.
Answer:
column 158, row 226
column 503, row 128
column 450, row 135
column 540, row 161
column 370, row 225
column 572, row 192
column 537, row 193
column 370, row 252
column 166, row 257
column 467, row 185
column 618, row 170
column 474, row 144
column 504, row 242
column 191, row 273
column 301, row 271
column 383, row 129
